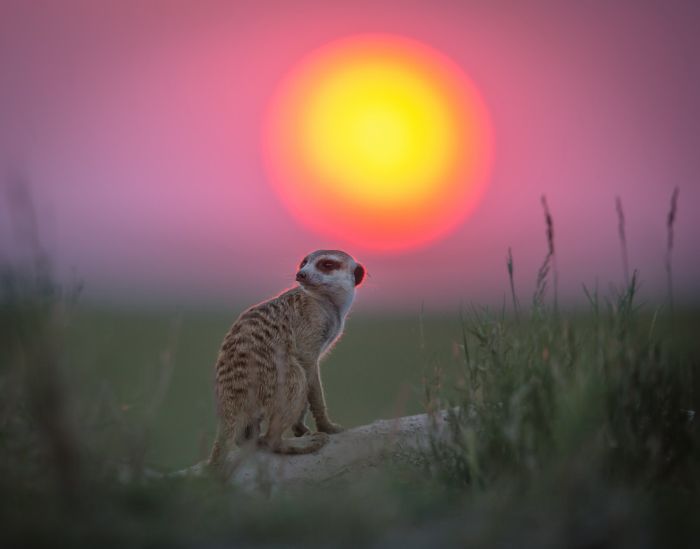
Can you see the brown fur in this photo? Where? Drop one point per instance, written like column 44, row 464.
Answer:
column 268, row 366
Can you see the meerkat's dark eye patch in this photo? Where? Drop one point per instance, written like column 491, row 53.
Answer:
column 303, row 262
column 328, row 265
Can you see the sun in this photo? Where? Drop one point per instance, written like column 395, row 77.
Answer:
column 378, row 140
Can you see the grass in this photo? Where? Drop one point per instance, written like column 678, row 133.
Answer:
column 536, row 395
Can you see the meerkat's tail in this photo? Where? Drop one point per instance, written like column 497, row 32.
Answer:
column 225, row 438
column 219, row 449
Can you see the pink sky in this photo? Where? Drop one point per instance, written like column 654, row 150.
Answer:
column 138, row 124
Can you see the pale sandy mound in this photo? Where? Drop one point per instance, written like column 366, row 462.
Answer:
column 359, row 450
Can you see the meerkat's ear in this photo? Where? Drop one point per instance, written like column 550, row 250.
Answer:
column 359, row 274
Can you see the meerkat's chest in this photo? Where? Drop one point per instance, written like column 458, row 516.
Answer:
column 331, row 330
column 315, row 335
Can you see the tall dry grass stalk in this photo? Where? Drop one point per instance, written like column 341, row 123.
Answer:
column 509, row 264
column 623, row 239
column 421, row 331
column 550, row 259
column 670, row 220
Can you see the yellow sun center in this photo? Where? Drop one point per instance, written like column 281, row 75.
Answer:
column 377, row 123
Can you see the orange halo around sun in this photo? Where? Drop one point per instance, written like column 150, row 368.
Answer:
column 378, row 140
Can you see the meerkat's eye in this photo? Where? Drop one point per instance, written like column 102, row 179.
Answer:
column 303, row 262
column 327, row 265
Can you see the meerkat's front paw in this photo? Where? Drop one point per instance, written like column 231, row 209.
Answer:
column 300, row 429
column 330, row 428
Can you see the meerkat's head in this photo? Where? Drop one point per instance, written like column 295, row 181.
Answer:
column 330, row 272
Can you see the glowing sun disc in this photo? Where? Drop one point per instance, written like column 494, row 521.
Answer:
column 378, row 140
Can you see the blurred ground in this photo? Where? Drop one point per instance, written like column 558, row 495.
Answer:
column 129, row 358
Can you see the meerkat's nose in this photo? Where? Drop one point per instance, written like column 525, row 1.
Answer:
column 301, row 276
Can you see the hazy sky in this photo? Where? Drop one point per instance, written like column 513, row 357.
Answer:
column 138, row 125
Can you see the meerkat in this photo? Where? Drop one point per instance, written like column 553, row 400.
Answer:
column 267, row 371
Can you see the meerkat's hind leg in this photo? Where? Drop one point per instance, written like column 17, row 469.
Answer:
column 300, row 428
column 287, row 412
